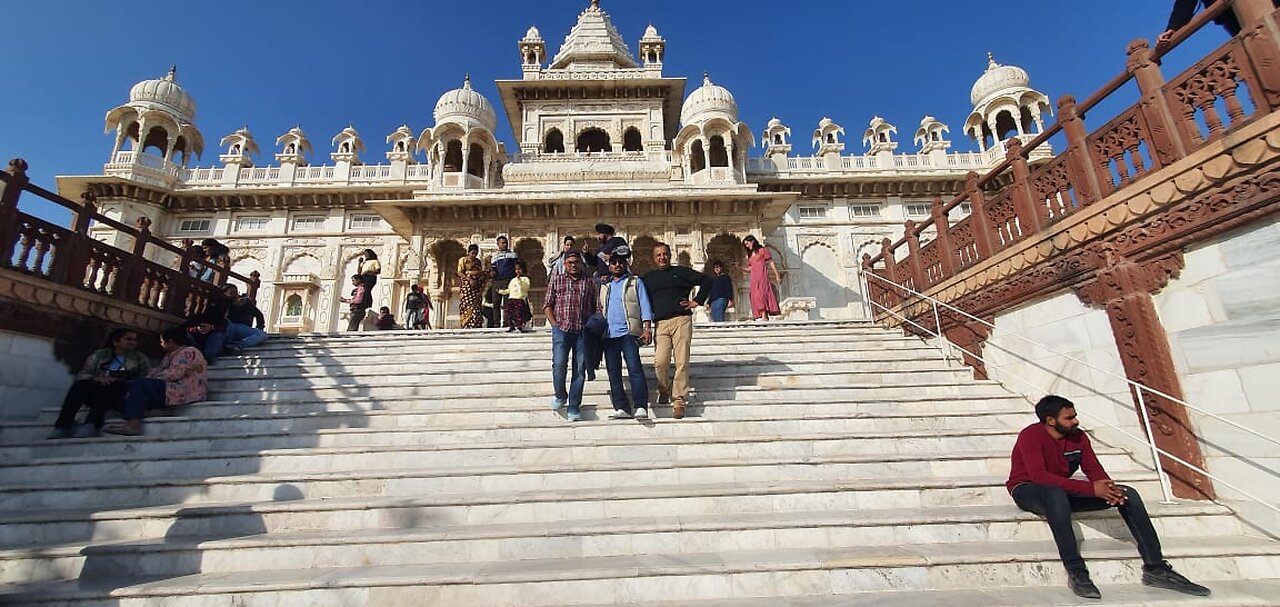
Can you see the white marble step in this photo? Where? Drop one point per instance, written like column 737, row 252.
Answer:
column 882, row 458
column 172, row 555
column 665, row 577
column 285, row 509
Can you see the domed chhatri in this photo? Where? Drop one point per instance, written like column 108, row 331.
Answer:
column 166, row 92
column 997, row 79
column 708, row 99
column 466, row 104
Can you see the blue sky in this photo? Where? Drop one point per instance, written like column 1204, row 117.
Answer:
column 376, row 64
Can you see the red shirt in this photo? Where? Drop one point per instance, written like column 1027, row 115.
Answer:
column 572, row 300
column 1041, row 459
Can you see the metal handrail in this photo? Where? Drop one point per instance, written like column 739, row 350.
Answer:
column 1149, row 441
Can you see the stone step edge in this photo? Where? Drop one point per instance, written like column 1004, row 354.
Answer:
column 625, row 492
column 1226, row 593
column 873, row 356
column 728, row 369
column 438, row 472
column 648, row 566
column 605, row 443
column 935, row 516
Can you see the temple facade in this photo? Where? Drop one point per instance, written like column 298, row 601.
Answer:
column 601, row 134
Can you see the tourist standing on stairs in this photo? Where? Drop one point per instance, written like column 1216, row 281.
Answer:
column 624, row 303
column 572, row 297
column 502, row 270
column 1045, row 456
column 517, row 310
column 470, row 275
column 360, row 302
column 721, row 297
column 101, row 384
column 416, row 305
column 370, row 268
column 669, row 287
column 764, row 302
column 609, row 240
column 555, row 264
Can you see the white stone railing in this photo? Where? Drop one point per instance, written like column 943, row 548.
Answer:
column 901, row 163
column 526, row 157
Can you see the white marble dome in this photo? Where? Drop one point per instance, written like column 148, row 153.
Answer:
column 650, row 33
column 465, row 103
column 166, row 93
column 998, row 78
column 533, row 34
column 707, row 99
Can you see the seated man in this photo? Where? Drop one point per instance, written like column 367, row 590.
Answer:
column 1047, row 453
column 244, row 321
column 208, row 329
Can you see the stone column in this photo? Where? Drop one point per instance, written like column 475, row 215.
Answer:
column 1124, row 288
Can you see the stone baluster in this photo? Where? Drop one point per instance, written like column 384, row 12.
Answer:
column 1162, row 132
column 1081, row 171
column 981, row 225
column 132, row 273
column 946, row 253
column 10, row 190
column 1032, row 214
column 1261, row 38
column 71, row 261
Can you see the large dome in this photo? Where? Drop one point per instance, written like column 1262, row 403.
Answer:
column 165, row 92
column 467, row 104
column 708, row 98
column 998, row 78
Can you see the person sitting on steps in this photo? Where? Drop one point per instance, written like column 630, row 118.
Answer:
column 101, row 384
column 180, row 378
column 1045, row 456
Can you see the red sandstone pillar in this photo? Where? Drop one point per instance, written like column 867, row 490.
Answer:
column 10, row 190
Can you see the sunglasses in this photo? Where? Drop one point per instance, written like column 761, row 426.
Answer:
column 617, row 262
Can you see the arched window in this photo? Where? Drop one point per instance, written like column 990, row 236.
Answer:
column 293, row 305
column 400, row 146
column 831, row 137
column 718, row 156
column 554, row 142
column 531, row 58
column 777, row 138
column 1028, row 122
column 697, row 157
column 453, row 157
column 631, row 140
column 235, row 149
column 289, row 149
column 475, row 160
column 1005, row 126
column 884, row 137
column 594, row 140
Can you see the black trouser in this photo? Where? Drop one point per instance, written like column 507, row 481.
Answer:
column 98, row 397
column 1056, row 506
column 357, row 316
column 499, row 301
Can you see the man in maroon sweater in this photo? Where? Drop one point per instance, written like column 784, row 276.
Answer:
column 1047, row 453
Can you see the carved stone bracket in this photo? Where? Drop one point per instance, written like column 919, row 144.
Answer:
column 1124, row 288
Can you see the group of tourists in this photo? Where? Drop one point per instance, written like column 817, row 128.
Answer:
column 118, row 378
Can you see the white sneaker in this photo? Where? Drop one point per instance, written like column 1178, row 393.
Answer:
column 642, row 413
column 619, row 414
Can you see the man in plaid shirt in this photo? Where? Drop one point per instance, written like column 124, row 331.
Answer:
column 571, row 299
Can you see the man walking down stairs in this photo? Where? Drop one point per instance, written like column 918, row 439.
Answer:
column 371, row 470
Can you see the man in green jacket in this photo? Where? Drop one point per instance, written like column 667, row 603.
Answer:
column 669, row 287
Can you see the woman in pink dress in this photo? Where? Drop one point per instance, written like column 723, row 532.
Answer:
column 764, row 301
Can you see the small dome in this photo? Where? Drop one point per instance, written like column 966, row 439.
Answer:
column 466, row 103
column 650, row 33
column 533, row 34
column 998, row 78
column 773, row 122
column 708, row 98
column 166, row 93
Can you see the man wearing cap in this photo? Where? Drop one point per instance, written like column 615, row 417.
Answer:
column 608, row 242
column 625, row 306
column 669, row 288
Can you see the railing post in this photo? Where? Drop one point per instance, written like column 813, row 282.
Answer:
column 978, row 215
column 255, row 280
column 1032, row 214
column 891, row 269
column 1165, row 136
column 10, row 190
column 1261, row 38
column 132, row 273
column 180, row 291
column 946, row 254
column 913, row 256
column 70, row 263
column 1081, row 171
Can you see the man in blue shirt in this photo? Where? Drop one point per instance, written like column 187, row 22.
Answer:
column 625, row 306
column 502, row 270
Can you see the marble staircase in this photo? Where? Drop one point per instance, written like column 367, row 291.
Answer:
column 821, row 464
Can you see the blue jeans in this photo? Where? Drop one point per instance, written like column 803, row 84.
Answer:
column 564, row 345
column 615, row 350
column 718, row 308
column 211, row 345
column 144, row 393
column 244, row 336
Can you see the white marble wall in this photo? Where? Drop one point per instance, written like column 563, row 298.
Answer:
column 1062, row 329
column 30, row 377
column 1223, row 320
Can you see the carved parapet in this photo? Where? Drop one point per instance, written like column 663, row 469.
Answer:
column 798, row 308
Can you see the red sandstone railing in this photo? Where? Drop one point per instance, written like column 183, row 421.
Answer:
column 1169, row 121
column 71, row 257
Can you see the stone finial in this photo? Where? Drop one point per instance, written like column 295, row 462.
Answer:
column 143, row 223
column 172, row 76
column 17, row 166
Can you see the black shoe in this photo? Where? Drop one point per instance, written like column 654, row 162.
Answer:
column 1163, row 576
column 1083, row 586
column 88, row 431
column 60, row 433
